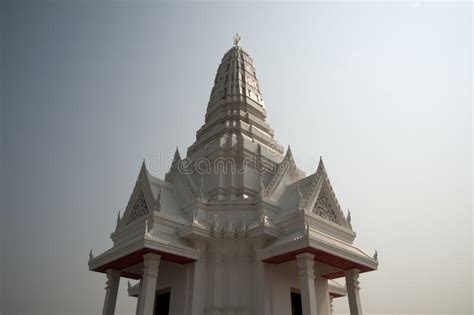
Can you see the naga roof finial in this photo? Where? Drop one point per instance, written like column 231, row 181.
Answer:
column 118, row 218
column 349, row 218
column 237, row 40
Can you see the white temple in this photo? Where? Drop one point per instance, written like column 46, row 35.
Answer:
column 235, row 227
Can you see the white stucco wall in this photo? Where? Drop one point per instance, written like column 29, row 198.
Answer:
column 173, row 276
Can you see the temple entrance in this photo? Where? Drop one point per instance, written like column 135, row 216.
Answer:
column 162, row 302
column 296, row 308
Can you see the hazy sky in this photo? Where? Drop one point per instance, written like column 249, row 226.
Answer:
column 382, row 91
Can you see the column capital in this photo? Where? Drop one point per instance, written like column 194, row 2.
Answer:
column 305, row 258
column 352, row 275
column 151, row 263
column 305, row 262
column 112, row 273
column 151, row 259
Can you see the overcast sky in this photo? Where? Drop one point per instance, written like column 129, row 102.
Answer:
column 382, row 91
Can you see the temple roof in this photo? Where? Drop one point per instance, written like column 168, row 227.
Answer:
column 267, row 199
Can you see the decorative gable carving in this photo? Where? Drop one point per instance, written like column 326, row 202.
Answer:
column 139, row 209
column 323, row 208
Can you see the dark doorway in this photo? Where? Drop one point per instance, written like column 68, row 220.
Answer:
column 162, row 303
column 296, row 308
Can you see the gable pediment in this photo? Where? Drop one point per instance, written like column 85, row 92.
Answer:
column 139, row 209
column 286, row 174
column 141, row 202
column 325, row 209
column 321, row 200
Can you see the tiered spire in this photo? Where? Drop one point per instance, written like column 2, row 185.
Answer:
column 236, row 105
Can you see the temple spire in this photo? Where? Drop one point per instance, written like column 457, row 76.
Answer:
column 236, row 108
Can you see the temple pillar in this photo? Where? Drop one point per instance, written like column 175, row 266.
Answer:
column 263, row 298
column 305, row 263
column 322, row 296
column 111, row 290
column 151, row 263
column 331, row 302
column 197, row 288
column 352, row 286
column 139, row 297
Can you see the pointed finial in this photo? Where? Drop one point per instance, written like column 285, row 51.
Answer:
column 349, row 218
column 157, row 201
column 143, row 169
column 146, row 229
column 321, row 164
column 376, row 255
column 118, row 218
column 194, row 216
column 262, row 217
column 91, row 256
column 176, row 154
column 237, row 40
column 306, row 228
column 301, row 201
column 144, row 164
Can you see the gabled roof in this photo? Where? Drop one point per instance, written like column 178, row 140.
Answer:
column 287, row 173
column 314, row 193
column 149, row 194
column 185, row 186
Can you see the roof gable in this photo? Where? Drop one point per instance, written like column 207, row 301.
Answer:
column 141, row 201
column 321, row 199
column 286, row 174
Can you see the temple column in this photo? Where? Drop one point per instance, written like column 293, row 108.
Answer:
column 322, row 296
column 111, row 290
column 263, row 297
column 197, row 288
column 331, row 302
column 305, row 263
column 352, row 286
column 151, row 263
column 139, row 297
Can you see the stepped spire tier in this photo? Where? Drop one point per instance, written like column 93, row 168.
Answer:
column 235, row 130
column 235, row 227
column 236, row 104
